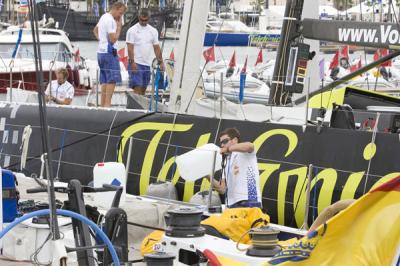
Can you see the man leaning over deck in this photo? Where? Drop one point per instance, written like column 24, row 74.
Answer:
column 141, row 39
column 240, row 179
column 107, row 31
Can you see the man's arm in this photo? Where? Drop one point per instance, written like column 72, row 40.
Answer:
column 114, row 36
column 66, row 101
column 219, row 186
column 242, row 147
column 131, row 56
column 157, row 51
column 96, row 32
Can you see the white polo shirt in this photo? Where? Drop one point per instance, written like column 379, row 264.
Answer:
column 60, row 92
column 242, row 177
column 143, row 39
column 106, row 25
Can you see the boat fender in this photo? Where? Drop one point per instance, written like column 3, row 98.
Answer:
column 84, row 77
column 162, row 190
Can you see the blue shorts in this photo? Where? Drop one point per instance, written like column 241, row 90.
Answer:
column 140, row 78
column 110, row 71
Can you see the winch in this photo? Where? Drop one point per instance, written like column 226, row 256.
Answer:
column 159, row 259
column 264, row 242
column 184, row 222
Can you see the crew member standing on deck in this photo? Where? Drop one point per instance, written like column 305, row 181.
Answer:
column 107, row 31
column 240, row 179
column 141, row 39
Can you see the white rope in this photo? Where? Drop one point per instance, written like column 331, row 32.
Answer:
column 108, row 137
column 26, row 135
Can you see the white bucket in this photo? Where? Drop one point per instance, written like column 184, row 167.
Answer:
column 198, row 163
column 109, row 173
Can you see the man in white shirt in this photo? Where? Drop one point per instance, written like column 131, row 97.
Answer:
column 60, row 91
column 107, row 31
column 240, row 179
column 141, row 40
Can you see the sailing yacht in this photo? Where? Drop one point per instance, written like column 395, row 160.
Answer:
column 17, row 68
column 337, row 159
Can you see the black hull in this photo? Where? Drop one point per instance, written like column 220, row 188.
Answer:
column 341, row 157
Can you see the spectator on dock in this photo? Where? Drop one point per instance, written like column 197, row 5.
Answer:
column 60, row 91
column 141, row 39
column 107, row 31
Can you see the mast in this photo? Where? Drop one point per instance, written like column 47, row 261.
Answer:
column 292, row 14
column 46, row 143
column 190, row 47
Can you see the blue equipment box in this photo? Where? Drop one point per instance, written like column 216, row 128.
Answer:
column 10, row 197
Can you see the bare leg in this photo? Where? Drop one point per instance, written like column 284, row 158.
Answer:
column 108, row 95
column 103, row 93
column 139, row 90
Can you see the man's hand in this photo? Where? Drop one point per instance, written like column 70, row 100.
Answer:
column 162, row 67
column 224, row 150
column 134, row 67
column 119, row 23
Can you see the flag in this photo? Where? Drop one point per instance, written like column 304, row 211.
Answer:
column 209, row 54
column 335, row 61
column 382, row 53
column 123, row 58
column 322, row 69
column 356, row 66
column 365, row 233
column 77, row 56
column 242, row 84
column 232, row 63
column 259, row 58
column 172, row 55
column 344, row 52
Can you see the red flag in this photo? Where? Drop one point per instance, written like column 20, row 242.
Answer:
column 385, row 52
column 123, row 58
column 377, row 55
column 209, row 54
column 335, row 61
column 259, row 58
column 77, row 56
column 381, row 53
column 356, row 66
column 172, row 55
column 344, row 52
column 232, row 63
column 359, row 64
column 244, row 69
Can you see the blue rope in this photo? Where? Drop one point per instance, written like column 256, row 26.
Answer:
column 156, row 86
column 14, row 54
column 71, row 214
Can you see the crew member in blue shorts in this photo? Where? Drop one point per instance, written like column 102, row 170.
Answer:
column 141, row 40
column 107, row 31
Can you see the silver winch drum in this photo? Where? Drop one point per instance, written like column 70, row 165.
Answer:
column 264, row 242
column 184, row 222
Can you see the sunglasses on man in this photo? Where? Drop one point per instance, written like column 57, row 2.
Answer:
column 224, row 141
